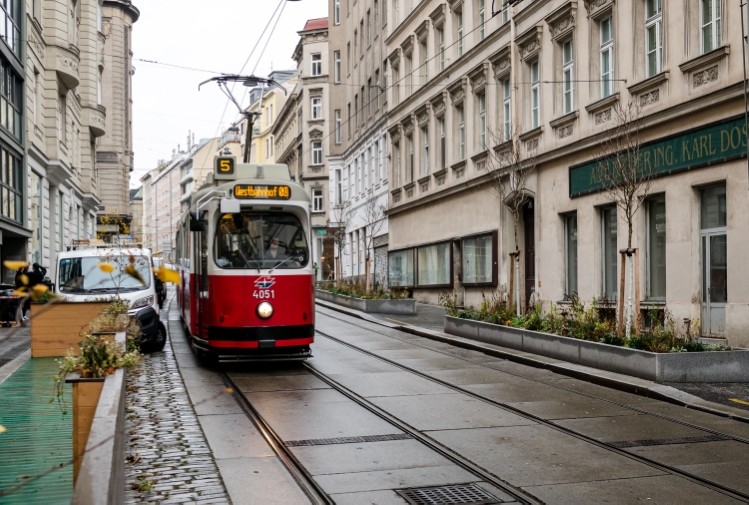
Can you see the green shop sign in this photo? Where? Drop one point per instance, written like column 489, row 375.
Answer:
column 704, row 146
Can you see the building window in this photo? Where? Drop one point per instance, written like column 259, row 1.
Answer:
column 713, row 207
column 379, row 90
column 317, row 200
column 270, row 147
column 100, row 78
column 506, row 110
column 482, row 122
column 317, row 152
column 317, row 108
column 316, row 65
column 348, row 121
column 336, row 67
column 460, row 34
column 397, row 174
column 337, row 12
column 657, row 247
column 338, row 126
column 434, row 262
column 11, row 92
column 443, row 147
column 397, row 12
column 36, row 218
column 654, row 36
column 60, row 226
column 607, row 57
column 710, row 21
column 609, row 251
column 482, row 17
column 461, row 134
column 410, row 167
column 396, row 85
column 425, row 136
column 505, row 11
column 535, row 97
column 425, row 61
column 348, row 57
column 378, row 148
column 441, row 38
column 478, row 260
column 568, row 76
column 409, row 76
column 338, row 188
column 401, row 268
column 377, row 16
column 570, row 249
column 10, row 30
column 369, row 93
column 369, row 28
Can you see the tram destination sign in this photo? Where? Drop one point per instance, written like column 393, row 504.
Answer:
column 262, row 192
column 704, row 146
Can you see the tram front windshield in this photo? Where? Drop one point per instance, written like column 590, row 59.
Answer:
column 261, row 240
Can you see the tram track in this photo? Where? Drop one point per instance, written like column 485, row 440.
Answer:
column 664, row 467
column 303, row 478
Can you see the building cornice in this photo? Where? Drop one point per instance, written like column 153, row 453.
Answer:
column 126, row 6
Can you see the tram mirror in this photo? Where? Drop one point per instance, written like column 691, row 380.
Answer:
column 230, row 206
column 195, row 223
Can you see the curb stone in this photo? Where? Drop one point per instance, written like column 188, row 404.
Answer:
column 613, row 380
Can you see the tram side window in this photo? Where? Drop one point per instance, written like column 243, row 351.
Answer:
column 260, row 240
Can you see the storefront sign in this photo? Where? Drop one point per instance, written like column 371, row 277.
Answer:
column 716, row 143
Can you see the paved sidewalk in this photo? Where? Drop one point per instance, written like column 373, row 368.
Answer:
column 165, row 443
column 19, row 341
column 430, row 318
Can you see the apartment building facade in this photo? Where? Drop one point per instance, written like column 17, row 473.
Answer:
column 302, row 132
column 358, row 146
column 67, row 85
column 553, row 72
column 267, row 102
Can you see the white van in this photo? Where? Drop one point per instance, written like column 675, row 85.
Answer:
column 80, row 279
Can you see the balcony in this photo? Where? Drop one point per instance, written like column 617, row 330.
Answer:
column 65, row 61
column 95, row 117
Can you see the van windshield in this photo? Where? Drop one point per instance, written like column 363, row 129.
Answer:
column 260, row 240
column 83, row 275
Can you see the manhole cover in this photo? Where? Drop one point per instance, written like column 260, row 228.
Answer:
column 460, row 494
column 347, row 440
column 668, row 441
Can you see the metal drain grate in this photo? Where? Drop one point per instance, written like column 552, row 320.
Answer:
column 347, row 440
column 460, row 494
column 668, row 441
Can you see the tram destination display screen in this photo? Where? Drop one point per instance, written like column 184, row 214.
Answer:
column 262, row 192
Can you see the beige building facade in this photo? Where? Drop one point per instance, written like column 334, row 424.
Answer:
column 302, row 131
column 553, row 72
column 267, row 102
column 69, row 85
column 358, row 147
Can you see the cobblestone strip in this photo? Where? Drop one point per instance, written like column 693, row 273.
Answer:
column 168, row 458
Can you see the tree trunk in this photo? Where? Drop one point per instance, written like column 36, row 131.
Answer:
column 367, row 283
column 629, row 299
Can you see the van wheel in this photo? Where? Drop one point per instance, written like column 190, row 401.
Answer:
column 158, row 344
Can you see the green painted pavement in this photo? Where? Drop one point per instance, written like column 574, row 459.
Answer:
column 39, row 437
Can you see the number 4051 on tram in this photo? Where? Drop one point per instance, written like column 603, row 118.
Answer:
column 243, row 252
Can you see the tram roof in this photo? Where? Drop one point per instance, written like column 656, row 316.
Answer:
column 257, row 174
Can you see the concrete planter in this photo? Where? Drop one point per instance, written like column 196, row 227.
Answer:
column 727, row 366
column 58, row 327
column 99, row 437
column 369, row 306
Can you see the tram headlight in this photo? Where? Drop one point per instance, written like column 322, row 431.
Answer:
column 264, row 310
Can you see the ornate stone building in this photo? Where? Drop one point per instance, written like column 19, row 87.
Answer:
column 553, row 73
column 72, row 81
column 302, row 132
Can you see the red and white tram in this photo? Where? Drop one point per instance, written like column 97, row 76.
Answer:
column 247, row 291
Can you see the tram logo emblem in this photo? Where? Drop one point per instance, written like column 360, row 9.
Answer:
column 265, row 282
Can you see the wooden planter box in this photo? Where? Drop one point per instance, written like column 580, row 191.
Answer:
column 58, row 327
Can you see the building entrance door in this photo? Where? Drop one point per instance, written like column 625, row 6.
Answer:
column 714, row 283
column 529, row 236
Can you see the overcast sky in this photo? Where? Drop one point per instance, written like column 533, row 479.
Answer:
column 217, row 36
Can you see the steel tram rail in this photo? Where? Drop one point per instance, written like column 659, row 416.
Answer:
column 715, row 486
column 304, row 479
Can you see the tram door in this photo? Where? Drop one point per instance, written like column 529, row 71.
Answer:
column 201, row 279
column 714, row 249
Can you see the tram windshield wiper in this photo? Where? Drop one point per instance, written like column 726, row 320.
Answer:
column 284, row 261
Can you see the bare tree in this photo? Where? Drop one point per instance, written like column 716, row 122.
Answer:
column 626, row 180
column 374, row 220
column 341, row 214
column 510, row 163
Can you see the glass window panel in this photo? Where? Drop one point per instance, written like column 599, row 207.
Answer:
column 477, row 260
column 657, row 248
column 401, row 268
column 571, row 253
column 434, row 265
column 713, row 207
column 610, row 253
column 718, row 269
